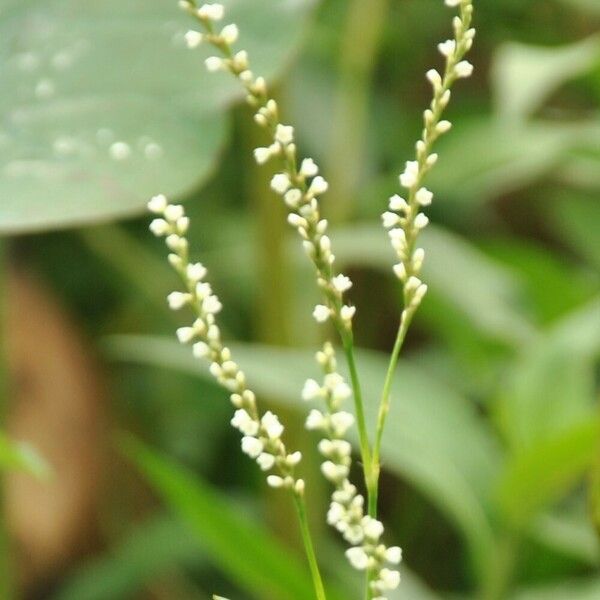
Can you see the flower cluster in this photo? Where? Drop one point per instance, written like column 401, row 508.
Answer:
column 404, row 219
column 346, row 511
column 299, row 183
column 261, row 434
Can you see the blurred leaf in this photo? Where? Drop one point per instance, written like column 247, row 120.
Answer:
column 20, row 456
column 84, row 77
column 576, row 220
column 543, row 473
column 576, row 589
column 569, row 533
column 488, row 294
column 434, row 437
column 489, row 158
column 590, row 6
column 524, row 76
column 151, row 550
column 246, row 552
column 552, row 385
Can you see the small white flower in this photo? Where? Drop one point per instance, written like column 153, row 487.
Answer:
column 275, row 481
column 252, row 446
column 294, row 458
column 389, row 579
column 434, row 78
column 211, row 12
column 398, row 203
column 240, row 60
column 230, row 33
column 358, row 558
column 292, row 197
column 281, row 183
column 372, row 527
column 411, row 173
column 390, row 219
column 262, row 155
column 318, row 186
column 185, row 334
column 463, row 69
column 393, row 555
column 342, row 391
column 157, row 204
column 178, row 300
column 347, row 313
column 417, row 258
column 309, row 168
column 334, row 472
column 453, row 3
column 447, row 48
column 297, row 221
column 244, row 422
column 200, row 349
column 211, row 305
column 195, row 272
column 321, row 313
column 159, row 227
column 315, row 420
column 400, row 271
column 266, row 461
column 174, row 212
column 443, row 126
column 193, row 38
column 421, row 221
column 335, row 513
column 284, row 134
column 424, row 196
column 270, row 423
column 341, row 422
column 341, row 283
column 311, row 390
column 214, row 64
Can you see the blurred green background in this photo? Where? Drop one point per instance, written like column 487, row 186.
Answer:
column 122, row 478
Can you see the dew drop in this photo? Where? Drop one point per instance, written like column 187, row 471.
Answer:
column 120, row 151
column 153, row 151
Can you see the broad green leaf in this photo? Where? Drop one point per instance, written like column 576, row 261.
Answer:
column 589, row 6
column 240, row 548
column 542, row 473
column 524, row 76
column 488, row 294
column 552, row 384
column 434, row 437
column 150, row 551
column 20, row 456
column 86, row 76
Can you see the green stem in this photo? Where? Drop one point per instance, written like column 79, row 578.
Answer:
column 309, row 547
column 6, row 573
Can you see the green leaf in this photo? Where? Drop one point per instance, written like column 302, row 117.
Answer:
column 524, row 76
column 434, row 437
column 552, row 385
column 576, row 589
column 151, row 550
column 86, row 76
column 246, row 552
column 543, row 473
column 20, row 456
column 489, row 293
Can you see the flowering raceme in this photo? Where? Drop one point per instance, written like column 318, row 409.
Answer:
column 301, row 186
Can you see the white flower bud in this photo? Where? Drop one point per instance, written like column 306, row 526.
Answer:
column 393, row 555
column 390, row 219
column 230, row 34
column 311, row 390
column 178, row 300
column 315, row 420
column 211, row 12
column 200, row 350
column 358, row 558
column 424, row 196
column 341, row 283
column 244, row 422
column 321, row 313
column 266, row 461
column 185, row 334
column 157, row 204
column 262, row 155
column 372, row 527
column 284, row 134
column 293, row 459
column 309, row 168
column 347, row 313
column 443, row 127
column 389, row 579
column 421, row 221
column 275, row 481
column 411, row 173
column 193, row 38
column 252, row 446
column 463, row 69
column 214, row 64
column 293, row 197
column 398, row 203
column 341, row 422
column 281, row 183
column 271, row 425
column 318, row 186
column 400, row 271
column 447, row 48
column 159, row 227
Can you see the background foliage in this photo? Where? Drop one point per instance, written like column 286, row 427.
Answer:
column 492, row 480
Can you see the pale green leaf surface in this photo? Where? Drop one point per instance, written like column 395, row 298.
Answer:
column 80, row 77
column 523, row 76
column 434, row 437
column 582, row 589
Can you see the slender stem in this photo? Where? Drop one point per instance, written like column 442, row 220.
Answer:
column 309, row 547
column 6, row 573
